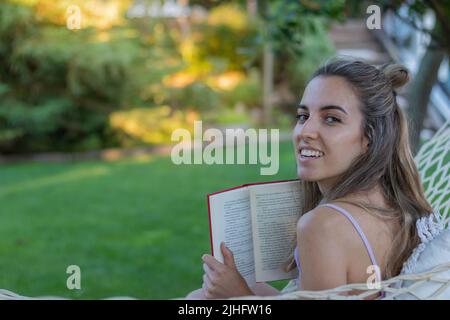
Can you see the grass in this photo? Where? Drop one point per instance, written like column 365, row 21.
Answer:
column 136, row 227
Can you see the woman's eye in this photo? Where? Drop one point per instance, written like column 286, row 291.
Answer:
column 328, row 119
column 333, row 119
column 301, row 117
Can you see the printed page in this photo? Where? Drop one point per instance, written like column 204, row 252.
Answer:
column 275, row 209
column 230, row 222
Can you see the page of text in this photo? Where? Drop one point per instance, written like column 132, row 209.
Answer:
column 275, row 211
column 230, row 222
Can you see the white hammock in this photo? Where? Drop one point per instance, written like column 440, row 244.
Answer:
column 433, row 163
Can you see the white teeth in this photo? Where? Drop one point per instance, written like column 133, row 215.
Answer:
column 311, row 153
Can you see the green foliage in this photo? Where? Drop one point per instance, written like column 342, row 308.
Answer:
column 53, row 123
column 227, row 40
column 315, row 48
column 197, row 95
column 16, row 23
column 57, row 86
column 248, row 91
column 41, row 61
column 98, row 14
column 231, row 117
column 104, row 71
column 154, row 125
column 41, row 119
column 289, row 21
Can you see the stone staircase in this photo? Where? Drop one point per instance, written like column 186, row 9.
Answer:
column 352, row 38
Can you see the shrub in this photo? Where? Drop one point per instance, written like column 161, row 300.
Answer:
column 149, row 125
column 57, row 87
column 226, row 41
column 248, row 91
column 315, row 48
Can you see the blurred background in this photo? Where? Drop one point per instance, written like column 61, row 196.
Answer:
column 91, row 91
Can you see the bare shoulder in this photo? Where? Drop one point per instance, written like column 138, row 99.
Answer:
column 325, row 232
column 331, row 251
column 322, row 237
column 323, row 223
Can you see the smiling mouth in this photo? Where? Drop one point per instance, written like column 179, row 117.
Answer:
column 303, row 159
column 312, row 154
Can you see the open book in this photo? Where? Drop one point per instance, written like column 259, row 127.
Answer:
column 257, row 222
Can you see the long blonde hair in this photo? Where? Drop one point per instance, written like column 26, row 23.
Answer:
column 388, row 161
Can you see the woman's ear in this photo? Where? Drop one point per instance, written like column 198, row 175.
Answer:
column 365, row 144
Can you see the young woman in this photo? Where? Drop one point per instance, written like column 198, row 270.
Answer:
column 362, row 189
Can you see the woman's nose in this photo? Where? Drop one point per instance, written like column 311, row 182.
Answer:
column 307, row 130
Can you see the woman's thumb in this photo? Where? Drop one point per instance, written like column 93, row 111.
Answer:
column 228, row 257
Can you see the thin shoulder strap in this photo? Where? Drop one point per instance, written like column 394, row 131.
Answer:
column 358, row 229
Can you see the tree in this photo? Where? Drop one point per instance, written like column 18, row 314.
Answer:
column 284, row 24
column 439, row 46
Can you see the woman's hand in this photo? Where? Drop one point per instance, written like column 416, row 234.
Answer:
column 223, row 280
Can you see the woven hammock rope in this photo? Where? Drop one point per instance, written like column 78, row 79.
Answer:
column 387, row 286
column 433, row 162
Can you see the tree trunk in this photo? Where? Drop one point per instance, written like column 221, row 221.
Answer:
column 252, row 7
column 268, row 60
column 183, row 20
column 420, row 90
column 267, row 83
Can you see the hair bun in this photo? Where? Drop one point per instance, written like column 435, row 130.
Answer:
column 397, row 74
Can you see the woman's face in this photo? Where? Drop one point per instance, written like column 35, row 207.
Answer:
column 329, row 121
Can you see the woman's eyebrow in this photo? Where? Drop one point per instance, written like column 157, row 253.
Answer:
column 302, row 106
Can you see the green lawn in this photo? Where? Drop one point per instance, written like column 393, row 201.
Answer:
column 135, row 227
